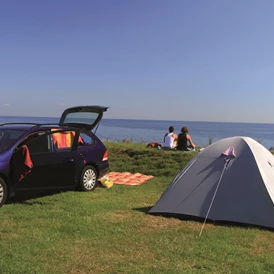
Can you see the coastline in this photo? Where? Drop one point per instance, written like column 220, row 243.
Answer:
column 145, row 131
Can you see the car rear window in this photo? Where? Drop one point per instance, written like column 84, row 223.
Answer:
column 81, row 117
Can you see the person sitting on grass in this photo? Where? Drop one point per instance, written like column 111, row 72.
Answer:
column 184, row 140
column 170, row 139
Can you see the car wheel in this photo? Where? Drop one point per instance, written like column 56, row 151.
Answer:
column 3, row 192
column 89, row 178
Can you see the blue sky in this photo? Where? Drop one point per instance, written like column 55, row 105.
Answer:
column 194, row 60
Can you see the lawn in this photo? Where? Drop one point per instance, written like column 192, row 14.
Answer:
column 109, row 230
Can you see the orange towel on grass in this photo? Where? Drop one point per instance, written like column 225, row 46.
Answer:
column 127, row 178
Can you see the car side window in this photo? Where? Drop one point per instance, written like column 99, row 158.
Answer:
column 63, row 140
column 38, row 143
column 85, row 139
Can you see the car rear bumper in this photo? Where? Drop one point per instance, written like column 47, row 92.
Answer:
column 103, row 169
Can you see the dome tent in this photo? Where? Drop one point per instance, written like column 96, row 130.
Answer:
column 231, row 180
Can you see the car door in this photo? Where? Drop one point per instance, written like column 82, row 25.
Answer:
column 66, row 159
column 53, row 166
column 36, row 174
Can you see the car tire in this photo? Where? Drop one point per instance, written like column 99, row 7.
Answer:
column 3, row 192
column 89, row 179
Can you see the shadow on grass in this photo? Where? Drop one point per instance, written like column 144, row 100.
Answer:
column 143, row 209
column 28, row 198
column 201, row 220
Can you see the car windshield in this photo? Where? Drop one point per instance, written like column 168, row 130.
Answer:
column 8, row 137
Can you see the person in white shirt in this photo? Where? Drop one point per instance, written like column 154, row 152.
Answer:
column 170, row 138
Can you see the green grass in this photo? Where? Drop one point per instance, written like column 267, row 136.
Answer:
column 108, row 230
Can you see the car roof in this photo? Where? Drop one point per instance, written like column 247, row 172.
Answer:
column 19, row 126
column 33, row 126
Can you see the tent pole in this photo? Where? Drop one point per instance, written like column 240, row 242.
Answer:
column 213, row 199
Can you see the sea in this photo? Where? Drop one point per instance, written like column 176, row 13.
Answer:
column 145, row 131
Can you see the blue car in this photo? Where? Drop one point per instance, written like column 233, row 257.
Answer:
column 38, row 157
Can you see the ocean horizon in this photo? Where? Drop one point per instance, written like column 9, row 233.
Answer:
column 145, row 131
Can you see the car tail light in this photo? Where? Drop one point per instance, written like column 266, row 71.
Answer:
column 105, row 157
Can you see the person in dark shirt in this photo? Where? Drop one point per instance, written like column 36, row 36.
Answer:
column 185, row 142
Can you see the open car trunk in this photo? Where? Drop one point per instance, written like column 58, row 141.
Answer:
column 84, row 116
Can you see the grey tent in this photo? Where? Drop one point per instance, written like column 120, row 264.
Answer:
column 231, row 180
